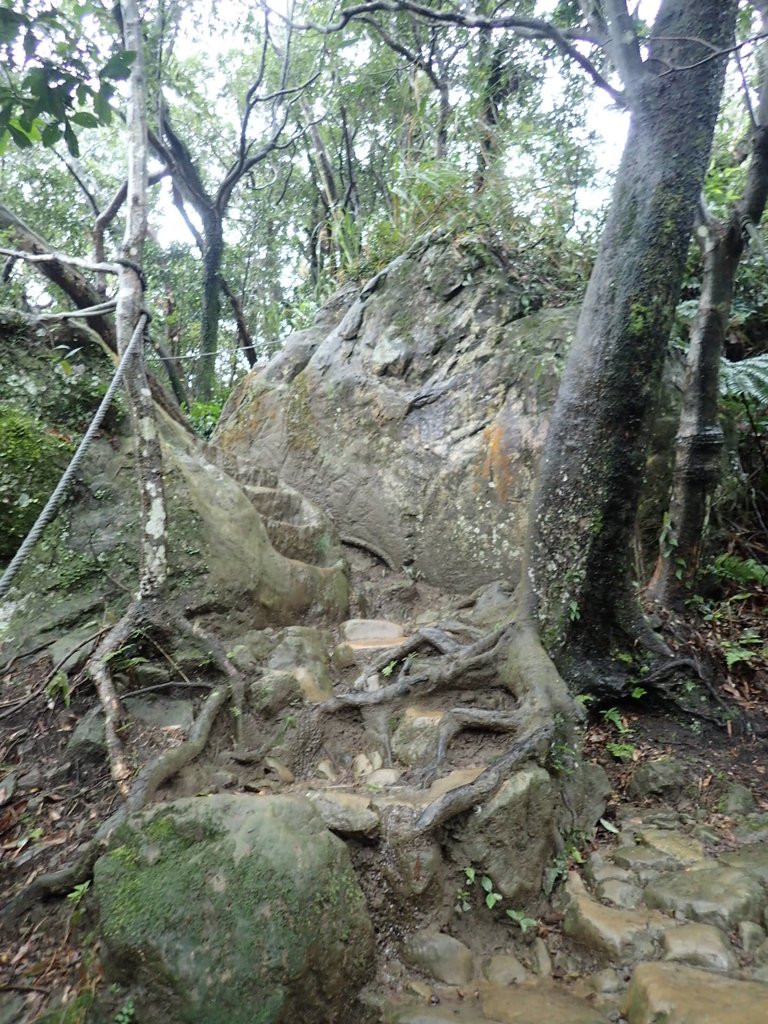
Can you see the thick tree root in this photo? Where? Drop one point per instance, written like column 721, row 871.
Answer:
column 477, row 659
column 464, row 798
column 141, row 615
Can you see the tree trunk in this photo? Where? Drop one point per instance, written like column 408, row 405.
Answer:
column 699, row 443
column 130, row 310
column 213, row 253
column 578, row 578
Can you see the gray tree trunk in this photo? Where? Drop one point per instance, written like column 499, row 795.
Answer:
column 578, row 577
column 699, row 442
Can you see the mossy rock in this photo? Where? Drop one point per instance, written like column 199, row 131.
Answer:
column 32, row 459
column 233, row 910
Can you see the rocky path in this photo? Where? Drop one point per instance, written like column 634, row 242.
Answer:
column 666, row 924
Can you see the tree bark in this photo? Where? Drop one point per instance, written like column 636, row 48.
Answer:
column 578, row 572
column 130, row 308
column 699, row 442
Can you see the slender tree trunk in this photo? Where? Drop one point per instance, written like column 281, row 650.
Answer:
column 213, row 253
column 130, row 309
column 699, row 443
column 578, row 573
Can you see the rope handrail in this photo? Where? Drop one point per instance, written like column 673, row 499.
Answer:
column 60, row 490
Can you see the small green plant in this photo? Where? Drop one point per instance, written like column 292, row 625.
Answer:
column 59, row 687
column 638, row 692
column 573, row 611
column 76, row 898
column 490, row 897
column 235, row 711
column 204, row 416
column 126, row 1014
column 389, row 668
column 749, row 648
column 613, row 715
column 78, row 893
column 520, row 919
column 621, row 751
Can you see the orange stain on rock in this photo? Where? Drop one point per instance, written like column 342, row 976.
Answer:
column 497, row 465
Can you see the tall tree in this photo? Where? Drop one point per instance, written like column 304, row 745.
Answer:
column 699, row 443
column 578, row 581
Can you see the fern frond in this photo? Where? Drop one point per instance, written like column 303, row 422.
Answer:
column 748, row 378
column 745, row 571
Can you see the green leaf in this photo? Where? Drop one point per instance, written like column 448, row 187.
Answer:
column 486, row 883
column 470, row 873
column 118, row 67
column 492, row 899
column 85, row 119
column 21, row 138
column 51, row 134
column 101, row 104
column 71, row 140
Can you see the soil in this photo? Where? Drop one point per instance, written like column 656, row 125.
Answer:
column 49, row 804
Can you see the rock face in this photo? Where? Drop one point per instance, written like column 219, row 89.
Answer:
column 414, row 412
column 231, row 910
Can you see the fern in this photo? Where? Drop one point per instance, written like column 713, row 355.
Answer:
column 745, row 571
column 747, row 378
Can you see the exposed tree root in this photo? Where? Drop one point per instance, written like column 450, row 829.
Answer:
column 511, row 656
column 150, row 778
column 143, row 614
column 463, row 798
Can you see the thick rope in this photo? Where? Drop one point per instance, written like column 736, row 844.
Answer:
column 59, row 493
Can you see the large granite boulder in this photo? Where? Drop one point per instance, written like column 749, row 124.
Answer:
column 414, row 411
column 233, row 909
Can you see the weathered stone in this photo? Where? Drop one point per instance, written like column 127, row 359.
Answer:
column 444, row 1014
column 228, row 908
column 504, row 969
column 223, row 556
column 663, row 777
column 622, row 935
column 761, row 953
column 645, row 861
column 511, row 835
column 168, row 714
column 371, row 634
column 752, row 858
column 736, row 800
column 410, row 870
column 544, row 1004
column 606, row 982
column 752, row 829
column 585, row 793
column 441, row 956
column 303, row 651
column 621, row 894
column 598, row 869
column 414, row 742
column 418, row 420
column 683, row 849
column 349, row 814
column 751, row 936
column 717, row 895
column 542, row 959
column 676, row 994
column 700, row 945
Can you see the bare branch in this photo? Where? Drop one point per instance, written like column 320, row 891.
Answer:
column 625, row 46
column 532, row 28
